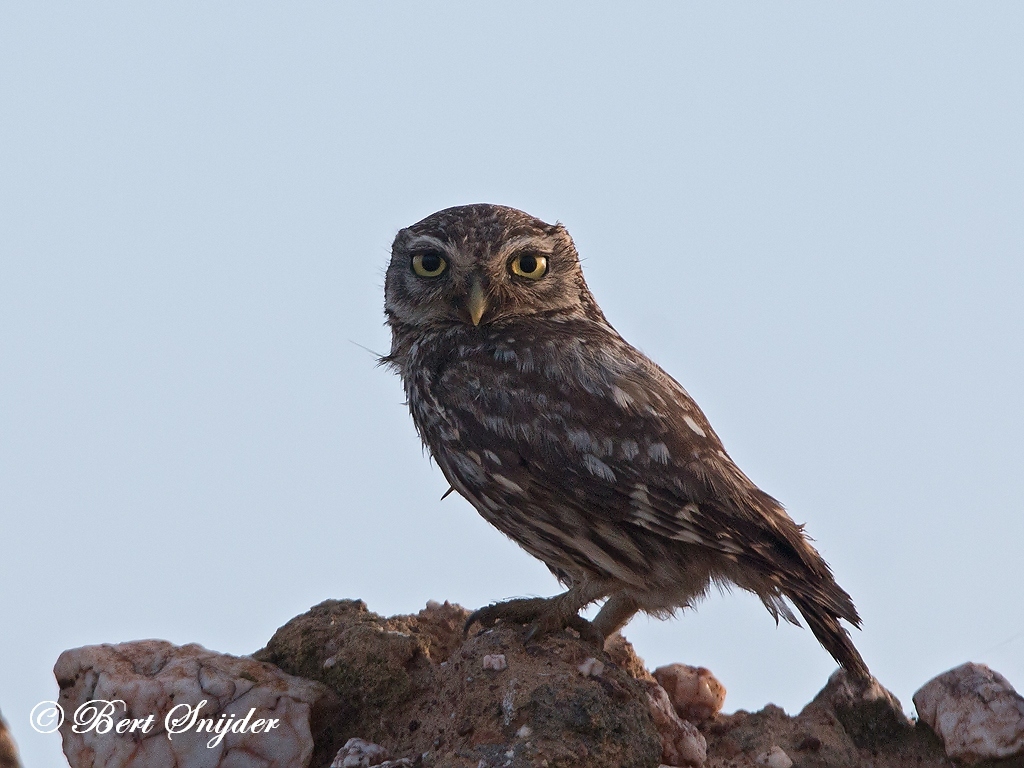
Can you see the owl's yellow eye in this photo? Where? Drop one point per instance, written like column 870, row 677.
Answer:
column 529, row 265
column 429, row 264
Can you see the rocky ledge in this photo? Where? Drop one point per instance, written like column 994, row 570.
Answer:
column 342, row 686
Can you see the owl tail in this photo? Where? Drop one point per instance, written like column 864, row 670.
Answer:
column 822, row 613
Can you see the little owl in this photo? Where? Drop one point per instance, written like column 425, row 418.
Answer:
column 576, row 445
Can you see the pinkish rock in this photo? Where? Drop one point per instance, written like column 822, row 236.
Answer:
column 975, row 711
column 151, row 703
column 495, row 662
column 681, row 743
column 695, row 693
column 359, row 753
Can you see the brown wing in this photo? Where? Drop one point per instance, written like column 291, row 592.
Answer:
column 601, row 428
column 588, row 453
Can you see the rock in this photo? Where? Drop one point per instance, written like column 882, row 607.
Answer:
column 8, row 751
column 814, row 738
column 375, row 665
column 415, row 692
column 775, row 757
column 694, row 692
column 359, row 753
column 622, row 654
column 975, row 711
column 495, row 662
column 870, row 714
column 681, row 742
column 417, row 687
column 186, row 706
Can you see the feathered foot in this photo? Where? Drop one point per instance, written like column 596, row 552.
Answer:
column 544, row 615
column 615, row 614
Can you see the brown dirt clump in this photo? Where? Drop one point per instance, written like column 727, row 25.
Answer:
column 414, row 685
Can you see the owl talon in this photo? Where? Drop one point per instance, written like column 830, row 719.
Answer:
column 519, row 611
column 588, row 632
column 543, row 615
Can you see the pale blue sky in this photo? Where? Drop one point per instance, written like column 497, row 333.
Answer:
column 811, row 214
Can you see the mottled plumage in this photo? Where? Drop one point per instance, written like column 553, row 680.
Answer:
column 573, row 443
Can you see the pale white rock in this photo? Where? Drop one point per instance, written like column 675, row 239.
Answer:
column 775, row 757
column 152, row 677
column 591, row 668
column 975, row 711
column 359, row 753
column 695, row 693
column 681, row 743
column 495, row 661
column 508, row 703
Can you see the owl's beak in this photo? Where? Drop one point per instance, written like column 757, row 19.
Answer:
column 476, row 301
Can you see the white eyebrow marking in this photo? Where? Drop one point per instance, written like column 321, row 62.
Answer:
column 537, row 242
column 428, row 241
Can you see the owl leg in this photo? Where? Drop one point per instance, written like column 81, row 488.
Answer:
column 544, row 614
column 614, row 614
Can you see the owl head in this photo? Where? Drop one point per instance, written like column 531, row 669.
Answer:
column 483, row 265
